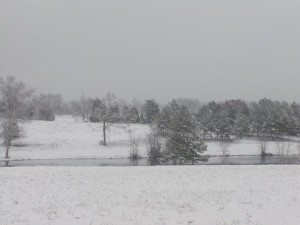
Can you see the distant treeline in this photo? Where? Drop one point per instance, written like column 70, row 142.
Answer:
column 214, row 119
column 265, row 117
column 184, row 122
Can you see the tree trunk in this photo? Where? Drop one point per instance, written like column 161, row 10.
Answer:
column 7, row 149
column 7, row 153
column 104, row 133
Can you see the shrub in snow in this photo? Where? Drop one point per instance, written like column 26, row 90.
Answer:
column 134, row 152
column 46, row 114
column 133, row 145
column 154, row 146
column 263, row 146
column 283, row 148
column 224, row 146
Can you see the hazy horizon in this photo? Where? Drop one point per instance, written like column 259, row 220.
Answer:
column 206, row 50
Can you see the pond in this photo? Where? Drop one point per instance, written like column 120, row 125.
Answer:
column 216, row 160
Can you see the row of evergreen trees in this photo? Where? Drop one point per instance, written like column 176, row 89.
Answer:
column 93, row 110
column 237, row 117
column 265, row 117
column 214, row 119
column 185, row 132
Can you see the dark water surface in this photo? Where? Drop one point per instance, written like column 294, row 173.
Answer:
column 229, row 160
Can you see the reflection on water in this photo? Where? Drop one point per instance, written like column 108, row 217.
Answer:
column 227, row 160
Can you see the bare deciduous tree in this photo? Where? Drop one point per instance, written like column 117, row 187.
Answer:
column 224, row 146
column 105, row 112
column 283, row 148
column 133, row 144
column 263, row 146
column 13, row 97
column 154, row 149
column 82, row 108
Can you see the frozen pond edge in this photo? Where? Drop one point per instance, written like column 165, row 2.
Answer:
column 213, row 160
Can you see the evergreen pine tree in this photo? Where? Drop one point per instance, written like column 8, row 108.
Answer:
column 150, row 111
column 183, row 143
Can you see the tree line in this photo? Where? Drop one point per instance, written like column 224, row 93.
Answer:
column 236, row 117
column 184, row 123
column 215, row 120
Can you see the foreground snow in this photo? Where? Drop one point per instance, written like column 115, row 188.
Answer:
column 203, row 195
column 66, row 138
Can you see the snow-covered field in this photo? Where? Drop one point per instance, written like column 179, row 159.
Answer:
column 66, row 138
column 159, row 195
column 213, row 195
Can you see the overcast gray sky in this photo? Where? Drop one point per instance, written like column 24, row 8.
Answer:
column 162, row 49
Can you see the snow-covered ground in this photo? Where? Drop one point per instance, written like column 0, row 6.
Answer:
column 206, row 195
column 66, row 138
